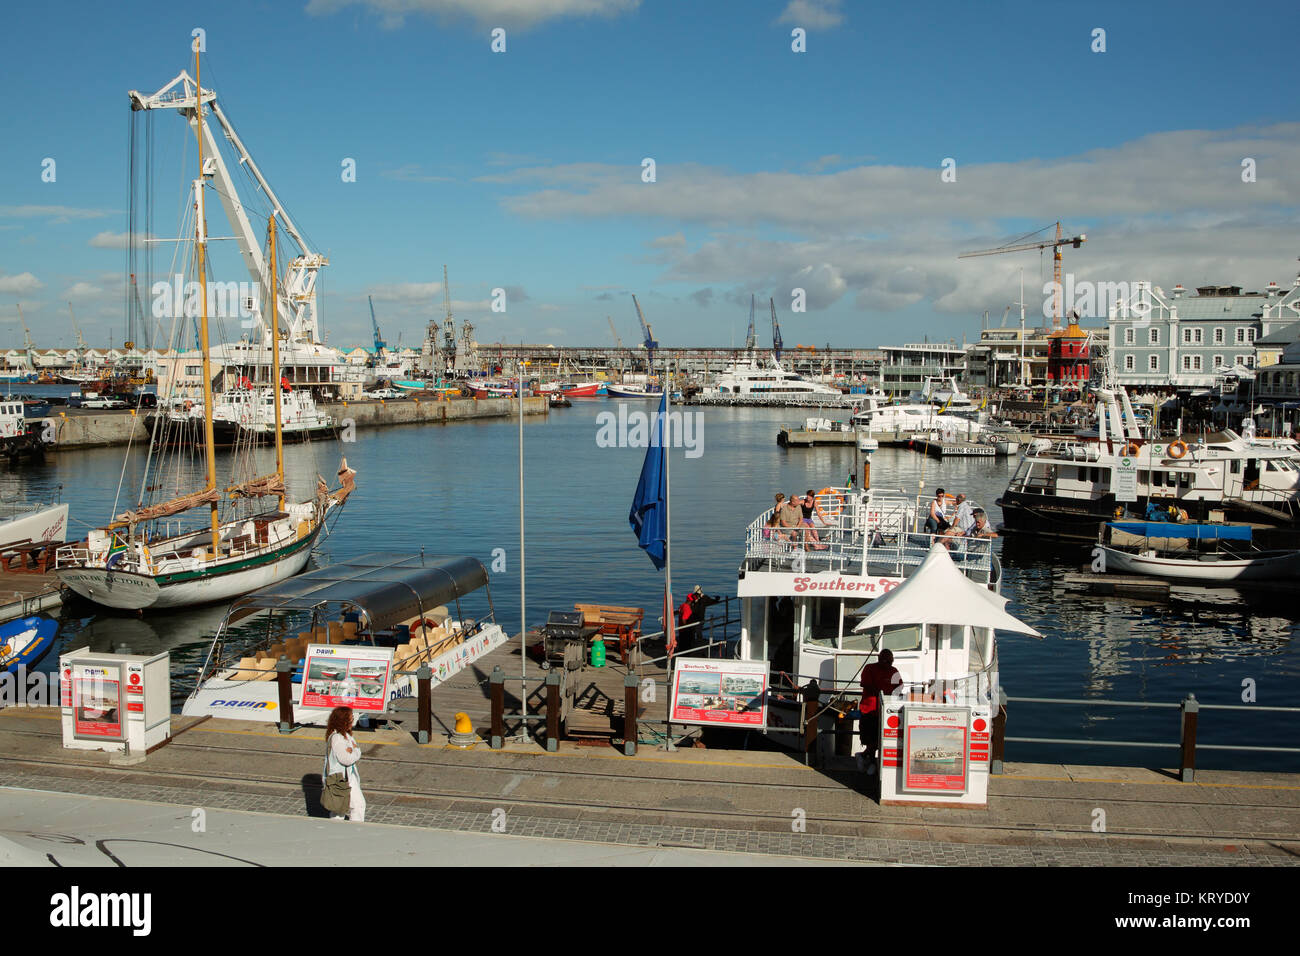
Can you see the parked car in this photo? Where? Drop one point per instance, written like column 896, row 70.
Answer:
column 94, row 400
column 384, row 393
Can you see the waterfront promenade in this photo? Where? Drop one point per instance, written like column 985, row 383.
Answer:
column 728, row 802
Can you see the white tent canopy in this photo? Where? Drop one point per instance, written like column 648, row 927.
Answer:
column 938, row 593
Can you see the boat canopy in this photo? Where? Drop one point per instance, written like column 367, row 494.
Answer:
column 387, row 586
column 1169, row 529
column 938, row 593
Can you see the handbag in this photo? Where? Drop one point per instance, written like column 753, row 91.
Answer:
column 336, row 794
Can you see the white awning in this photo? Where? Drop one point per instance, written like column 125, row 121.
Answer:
column 938, row 593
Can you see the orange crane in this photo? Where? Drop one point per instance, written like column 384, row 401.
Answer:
column 1055, row 245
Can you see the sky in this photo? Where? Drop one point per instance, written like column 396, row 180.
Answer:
column 855, row 169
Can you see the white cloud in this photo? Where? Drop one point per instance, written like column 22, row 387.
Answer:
column 406, row 292
column 114, row 240
column 414, row 173
column 22, row 284
column 813, row 14
column 518, row 14
column 82, row 290
column 55, row 214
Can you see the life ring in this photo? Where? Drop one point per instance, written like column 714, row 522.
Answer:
column 1178, row 449
column 831, row 493
column 1131, row 450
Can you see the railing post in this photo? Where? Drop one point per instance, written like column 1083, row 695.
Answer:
column 424, row 702
column 811, row 694
column 630, row 699
column 497, row 692
column 284, row 678
column 1187, row 765
column 552, row 710
column 999, row 732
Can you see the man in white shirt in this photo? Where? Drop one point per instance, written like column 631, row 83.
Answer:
column 965, row 518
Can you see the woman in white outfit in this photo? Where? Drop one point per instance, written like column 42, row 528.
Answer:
column 341, row 756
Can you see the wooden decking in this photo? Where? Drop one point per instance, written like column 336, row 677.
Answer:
column 595, row 691
column 23, row 593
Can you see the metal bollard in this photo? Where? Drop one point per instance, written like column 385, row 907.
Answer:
column 811, row 693
column 553, row 711
column 497, row 693
column 1190, row 708
column 424, row 702
column 284, row 678
column 999, row 733
column 630, row 699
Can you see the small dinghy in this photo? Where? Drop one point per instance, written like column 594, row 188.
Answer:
column 25, row 641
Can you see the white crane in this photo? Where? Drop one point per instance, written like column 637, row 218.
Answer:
column 297, row 293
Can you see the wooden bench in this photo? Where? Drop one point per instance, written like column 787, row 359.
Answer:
column 623, row 623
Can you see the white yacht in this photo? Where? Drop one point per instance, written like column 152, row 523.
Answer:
column 914, row 420
column 755, row 380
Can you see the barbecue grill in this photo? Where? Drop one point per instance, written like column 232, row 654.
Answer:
column 565, row 639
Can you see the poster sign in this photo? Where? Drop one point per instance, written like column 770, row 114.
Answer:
column 935, row 749
column 97, row 701
column 719, row 693
column 347, row 675
column 1125, row 479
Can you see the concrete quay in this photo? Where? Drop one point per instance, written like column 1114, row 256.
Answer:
column 75, row 428
column 727, row 802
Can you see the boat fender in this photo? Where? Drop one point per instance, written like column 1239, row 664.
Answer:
column 1178, row 449
column 5, row 651
column 1131, row 450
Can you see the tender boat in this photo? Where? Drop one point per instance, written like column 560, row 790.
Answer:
column 411, row 603
column 1192, row 551
column 25, row 641
column 632, row 390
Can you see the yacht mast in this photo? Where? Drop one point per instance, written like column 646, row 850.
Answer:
column 275, row 366
column 201, row 244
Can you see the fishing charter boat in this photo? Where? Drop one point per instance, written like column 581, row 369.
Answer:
column 1194, row 551
column 184, row 550
column 1067, row 487
column 426, row 609
column 632, row 390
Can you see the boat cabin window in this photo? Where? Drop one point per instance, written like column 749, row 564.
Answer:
column 821, row 621
column 902, row 637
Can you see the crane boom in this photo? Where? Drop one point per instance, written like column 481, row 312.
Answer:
column 380, row 344
column 776, row 332
column 751, row 339
column 650, row 343
column 1055, row 245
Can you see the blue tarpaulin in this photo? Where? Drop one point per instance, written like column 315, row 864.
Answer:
column 1167, row 529
column 649, row 514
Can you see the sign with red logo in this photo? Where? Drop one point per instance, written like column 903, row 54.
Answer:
column 96, row 701
column 719, row 693
column 346, row 676
column 935, row 749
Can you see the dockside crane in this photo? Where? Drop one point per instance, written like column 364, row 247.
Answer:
column 776, row 333
column 1056, row 245
column 751, row 340
column 27, row 338
column 81, row 342
column 448, row 327
column 650, row 343
column 380, row 345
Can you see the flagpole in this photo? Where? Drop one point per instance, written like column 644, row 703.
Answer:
column 523, row 616
column 668, row 551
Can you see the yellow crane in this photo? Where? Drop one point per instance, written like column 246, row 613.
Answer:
column 1055, row 245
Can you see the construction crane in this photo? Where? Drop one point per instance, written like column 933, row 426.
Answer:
column 81, row 342
column 1055, row 245
column 751, row 339
column 776, row 332
column 650, row 343
column 380, row 344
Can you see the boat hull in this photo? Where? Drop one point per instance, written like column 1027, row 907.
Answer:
column 128, row 591
column 24, row 642
column 49, row 525
column 1264, row 568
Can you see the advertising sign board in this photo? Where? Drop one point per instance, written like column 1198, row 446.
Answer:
column 719, row 693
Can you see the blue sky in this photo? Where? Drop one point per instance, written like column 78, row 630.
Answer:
column 775, row 170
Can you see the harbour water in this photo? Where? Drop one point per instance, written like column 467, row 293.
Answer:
column 454, row 490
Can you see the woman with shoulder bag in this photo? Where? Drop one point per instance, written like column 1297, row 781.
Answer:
column 342, row 791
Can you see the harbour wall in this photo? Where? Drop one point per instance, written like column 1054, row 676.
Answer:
column 74, row 429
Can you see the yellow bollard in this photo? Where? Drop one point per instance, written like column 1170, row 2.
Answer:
column 463, row 724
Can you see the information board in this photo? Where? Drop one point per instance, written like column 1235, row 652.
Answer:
column 719, row 693
column 97, row 701
column 347, row 675
column 1125, row 479
column 935, row 749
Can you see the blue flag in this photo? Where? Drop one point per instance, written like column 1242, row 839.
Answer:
column 649, row 514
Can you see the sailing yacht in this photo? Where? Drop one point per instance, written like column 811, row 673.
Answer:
column 139, row 560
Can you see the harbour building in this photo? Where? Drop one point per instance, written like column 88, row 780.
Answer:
column 1172, row 340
